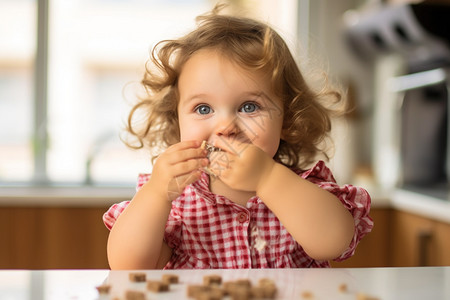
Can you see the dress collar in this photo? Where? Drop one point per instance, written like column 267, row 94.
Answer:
column 202, row 188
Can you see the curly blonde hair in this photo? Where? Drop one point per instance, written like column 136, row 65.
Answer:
column 254, row 46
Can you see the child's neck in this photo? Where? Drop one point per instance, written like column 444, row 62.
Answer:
column 218, row 187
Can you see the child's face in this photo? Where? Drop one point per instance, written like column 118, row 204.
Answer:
column 219, row 99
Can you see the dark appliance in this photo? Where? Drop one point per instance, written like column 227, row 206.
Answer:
column 420, row 33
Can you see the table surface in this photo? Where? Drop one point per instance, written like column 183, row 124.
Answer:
column 379, row 283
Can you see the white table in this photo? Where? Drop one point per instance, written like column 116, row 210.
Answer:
column 380, row 283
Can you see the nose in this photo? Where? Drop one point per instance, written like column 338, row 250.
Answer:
column 228, row 126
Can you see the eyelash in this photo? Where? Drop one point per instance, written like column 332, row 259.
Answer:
column 197, row 108
column 256, row 105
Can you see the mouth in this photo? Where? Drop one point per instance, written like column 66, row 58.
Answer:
column 210, row 148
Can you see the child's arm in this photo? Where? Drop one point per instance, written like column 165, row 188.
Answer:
column 136, row 239
column 314, row 217
column 317, row 220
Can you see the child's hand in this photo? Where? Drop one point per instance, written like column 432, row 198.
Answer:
column 178, row 167
column 241, row 166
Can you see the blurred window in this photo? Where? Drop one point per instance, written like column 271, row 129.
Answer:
column 17, row 50
column 97, row 53
column 96, row 56
column 97, row 50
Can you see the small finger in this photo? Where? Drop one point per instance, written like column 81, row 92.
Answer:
column 188, row 166
column 184, row 145
column 185, row 155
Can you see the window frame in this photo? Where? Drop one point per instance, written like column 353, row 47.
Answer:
column 40, row 133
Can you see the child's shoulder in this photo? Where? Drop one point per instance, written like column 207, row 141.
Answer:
column 318, row 171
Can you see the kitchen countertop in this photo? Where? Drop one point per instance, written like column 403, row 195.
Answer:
column 378, row 283
column 423, row 204
column 428, row 203
column 434, row 205
column 73, row 196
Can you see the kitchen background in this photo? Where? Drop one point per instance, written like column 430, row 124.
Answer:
column 69, row 71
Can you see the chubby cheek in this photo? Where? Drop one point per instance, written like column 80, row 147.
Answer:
column 189, row 132
column 186, row 134
column 266, row 138
column 269, row 146
column 269, row 142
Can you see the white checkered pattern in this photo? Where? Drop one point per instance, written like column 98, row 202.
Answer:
column 209, row 231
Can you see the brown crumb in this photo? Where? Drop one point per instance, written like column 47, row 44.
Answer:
column 134, row 295
column 264, row 281
column 228, row 286
column 103, row 289
column 193, row 290
column 170, row 278
column 257, row 292
column 157, row 286
column 210, row 294
column 137, row 277
column 244, row 282
column 343, row 288
column 212, row 279
column 239, row 292
column 362, row 296
column 270, row 290
column 307, row 295
column 269, row 287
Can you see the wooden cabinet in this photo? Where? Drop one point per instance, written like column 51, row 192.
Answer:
column 401, row 239
column 418, row 241
column 441, row 236
column 373, row 250
column 52, row 238
column 75, row 238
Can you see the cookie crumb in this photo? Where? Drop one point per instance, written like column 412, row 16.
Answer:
column 363, row 296
column 170, row 278
column 239, row 292
column 243, row 282
column 257, row 292
column 307, row 295
column 157, row 286
column 212, row 279
column 264, row 281
column 343, row 288
column 103, row 289
column 210, row 294
column 193, row 290
column 134, row 295
column 137, row 277
column 270, row 291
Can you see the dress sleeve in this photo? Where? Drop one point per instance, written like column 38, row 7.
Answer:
column 111, row 215
column 355, row 199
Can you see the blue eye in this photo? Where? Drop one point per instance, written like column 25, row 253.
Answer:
column 203, row 109
column 249, row 107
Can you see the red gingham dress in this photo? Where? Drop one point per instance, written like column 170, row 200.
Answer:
column 206, row 230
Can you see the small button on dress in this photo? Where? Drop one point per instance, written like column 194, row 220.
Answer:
column 242, row 217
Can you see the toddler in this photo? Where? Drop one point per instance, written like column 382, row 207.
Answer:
column 253, row 196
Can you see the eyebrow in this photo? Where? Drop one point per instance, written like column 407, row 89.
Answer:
column 258, row 93
column 195, row 96
column 263, row 95
column 185, row 104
